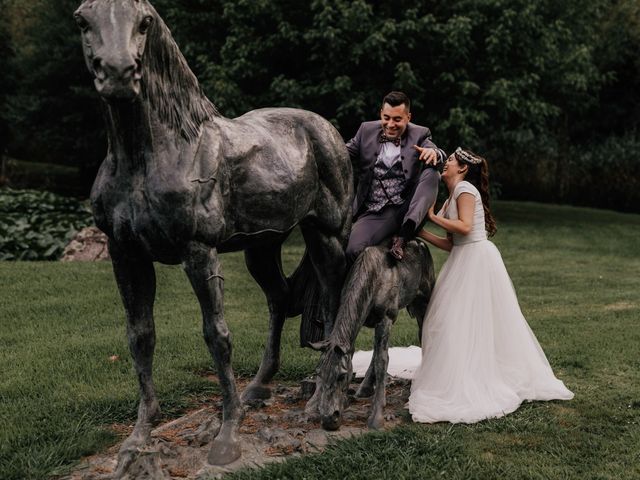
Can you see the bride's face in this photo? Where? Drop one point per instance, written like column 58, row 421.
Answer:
column 451, row 166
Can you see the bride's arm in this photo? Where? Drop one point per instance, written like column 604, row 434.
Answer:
column 444, row 243
column 464, row 223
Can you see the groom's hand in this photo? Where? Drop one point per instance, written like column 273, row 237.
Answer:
column 427, row 155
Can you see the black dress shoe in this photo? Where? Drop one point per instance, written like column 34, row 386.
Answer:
column 397, row 248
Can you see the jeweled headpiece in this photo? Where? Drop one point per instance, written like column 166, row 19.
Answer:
column 466, row 156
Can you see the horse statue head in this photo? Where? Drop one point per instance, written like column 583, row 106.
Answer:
column 131, row 54
column 114, row 38
column 333, row 378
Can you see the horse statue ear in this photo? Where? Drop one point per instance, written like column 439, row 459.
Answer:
column 321, row 346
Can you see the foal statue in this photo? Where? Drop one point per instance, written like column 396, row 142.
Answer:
column 376, row 288
column 180, row 183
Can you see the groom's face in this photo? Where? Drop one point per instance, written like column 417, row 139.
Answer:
column 394, row 119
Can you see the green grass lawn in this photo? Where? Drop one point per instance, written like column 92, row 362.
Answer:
column 576, row 272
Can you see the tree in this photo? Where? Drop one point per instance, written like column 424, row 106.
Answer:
column 517, row 80
column 6, row 86
column 618, row 109
column 56, row 115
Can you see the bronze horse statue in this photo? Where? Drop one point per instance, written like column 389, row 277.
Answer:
column 181, row 183
column 376, row 289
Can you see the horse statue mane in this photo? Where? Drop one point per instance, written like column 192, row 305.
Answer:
column 169, row 85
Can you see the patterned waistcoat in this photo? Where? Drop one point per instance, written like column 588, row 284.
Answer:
column 388, row 184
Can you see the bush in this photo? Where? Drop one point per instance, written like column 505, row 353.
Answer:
column 38, row 225
column 606, row 175
column 602, row 174
column 60, row 179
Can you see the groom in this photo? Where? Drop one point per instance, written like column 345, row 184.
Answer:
column 395, row 165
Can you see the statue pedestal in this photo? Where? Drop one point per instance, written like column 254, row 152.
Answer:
column 272, row 431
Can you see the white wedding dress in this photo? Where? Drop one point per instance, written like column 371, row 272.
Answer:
column 480, row 359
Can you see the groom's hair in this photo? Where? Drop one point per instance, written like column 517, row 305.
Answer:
column 397, row 98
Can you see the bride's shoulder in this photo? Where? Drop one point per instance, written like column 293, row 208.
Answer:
column 465, row 187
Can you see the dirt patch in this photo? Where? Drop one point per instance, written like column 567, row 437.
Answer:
column 271, row 431
column 620, row 306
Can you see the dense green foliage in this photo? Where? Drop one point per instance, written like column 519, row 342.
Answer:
column 53, row 112
column 575, row 271
column 36, row 225
column 526, row 83
column 6, row 82
column 607, row 175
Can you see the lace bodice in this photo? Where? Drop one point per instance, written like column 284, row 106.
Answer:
column 450, row 211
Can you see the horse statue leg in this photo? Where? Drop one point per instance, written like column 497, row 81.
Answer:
column 265, row 265
column 380, row 363
column 203, row 269
column 136, row 281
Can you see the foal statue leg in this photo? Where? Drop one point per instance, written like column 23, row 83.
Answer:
column 367, row 385
column 265, row 266
column 203, row 269
column 136, row 281
column 380, row 363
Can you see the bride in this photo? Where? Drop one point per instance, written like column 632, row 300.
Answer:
column 480, row 359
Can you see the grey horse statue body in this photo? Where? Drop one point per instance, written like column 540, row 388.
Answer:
column 181, row 183
column 375, row 290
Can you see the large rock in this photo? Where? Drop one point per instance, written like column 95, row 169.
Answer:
column 88, row 245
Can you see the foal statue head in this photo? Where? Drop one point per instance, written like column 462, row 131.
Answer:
column 114, row 37
column 333, row 379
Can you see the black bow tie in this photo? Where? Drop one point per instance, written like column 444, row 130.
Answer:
column 383, row 138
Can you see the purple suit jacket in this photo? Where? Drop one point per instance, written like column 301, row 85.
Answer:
column 365, row 147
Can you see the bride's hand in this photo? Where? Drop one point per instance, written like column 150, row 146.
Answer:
column 431, row 213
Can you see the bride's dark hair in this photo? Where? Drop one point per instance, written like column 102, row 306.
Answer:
column 478, row 176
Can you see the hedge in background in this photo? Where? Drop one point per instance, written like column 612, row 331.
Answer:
column 38, row 225
column 607, row 175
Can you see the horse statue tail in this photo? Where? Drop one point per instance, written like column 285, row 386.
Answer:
column 305, row 296
column 355, row 299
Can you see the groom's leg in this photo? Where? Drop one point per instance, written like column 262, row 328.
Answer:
column 423, row 197
column 415, row 210
column 371, row 229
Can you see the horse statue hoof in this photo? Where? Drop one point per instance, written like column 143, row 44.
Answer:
column 255, row 392
column 376, row 423
column 130, row 450
column 364, row 391
column 224, row 452
column 126, row 458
